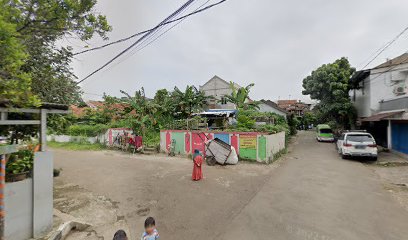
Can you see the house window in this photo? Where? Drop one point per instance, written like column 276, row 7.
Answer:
column 223, row 100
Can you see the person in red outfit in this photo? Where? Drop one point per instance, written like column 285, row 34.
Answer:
column 198, row 161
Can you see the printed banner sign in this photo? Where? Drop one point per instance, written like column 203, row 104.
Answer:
column 247, row 142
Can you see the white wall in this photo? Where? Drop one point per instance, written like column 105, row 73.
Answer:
column 218, row 88
column 266, row 108
column 43, row 182
column 19, row 210
column 29, row 203
column 101, row 138
column 379, row 86
column 275, row 143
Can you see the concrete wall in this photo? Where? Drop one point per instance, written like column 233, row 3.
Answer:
column 67, row 138
column 29, row 203
column 249, row 145
column 104, row 138
column 42, row 192
column 275, row 143
column 397, row 103
column 19, row 210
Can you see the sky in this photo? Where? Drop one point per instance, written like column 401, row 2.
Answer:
column 274, row 44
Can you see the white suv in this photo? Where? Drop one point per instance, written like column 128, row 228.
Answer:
column 353, row 144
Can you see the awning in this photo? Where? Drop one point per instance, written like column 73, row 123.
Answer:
column 217, row 112
column 381, row 116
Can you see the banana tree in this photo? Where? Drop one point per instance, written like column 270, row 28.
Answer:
column 140, row 111
column 189, row 101
column 240, row 97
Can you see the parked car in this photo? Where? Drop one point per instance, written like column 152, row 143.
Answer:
column 324, row 133
column 357, row 144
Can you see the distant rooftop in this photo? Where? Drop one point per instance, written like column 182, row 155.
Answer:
column 395, row 61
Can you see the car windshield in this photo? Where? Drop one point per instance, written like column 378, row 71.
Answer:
column 359, row 138
column 326, row 130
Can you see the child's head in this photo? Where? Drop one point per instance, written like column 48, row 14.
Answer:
column 120, row 235
column 150, row 225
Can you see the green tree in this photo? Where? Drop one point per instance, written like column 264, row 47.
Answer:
column 189, row 101
column 165, row 113
column 330, row 84
column 307, row 119
column 293, row 122
column 240, row 97
column 15, row 84
column 40, row 25
column 140, row 112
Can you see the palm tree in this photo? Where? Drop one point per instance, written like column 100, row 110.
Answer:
column 240, row 97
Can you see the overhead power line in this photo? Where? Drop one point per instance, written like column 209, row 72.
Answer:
column 141, row 46
column 140, row 39
column 146, row 31
column 388, row 70
column 381, row 50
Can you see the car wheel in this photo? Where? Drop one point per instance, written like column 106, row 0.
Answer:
column 343, row 156
column 374, row 158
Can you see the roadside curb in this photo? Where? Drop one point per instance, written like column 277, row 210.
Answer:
column 392, row 164
column 65, row 228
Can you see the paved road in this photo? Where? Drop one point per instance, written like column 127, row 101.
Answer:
column 317, row 195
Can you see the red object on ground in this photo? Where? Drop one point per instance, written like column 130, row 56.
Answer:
column 197, row 172
column 136, row 141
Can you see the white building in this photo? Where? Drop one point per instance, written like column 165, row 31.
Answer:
column 270, row 106
column 218, row 88
column 381, row 100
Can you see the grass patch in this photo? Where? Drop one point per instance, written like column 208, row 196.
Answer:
column 76, row 146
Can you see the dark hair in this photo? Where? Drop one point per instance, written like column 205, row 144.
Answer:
column 149, row 222
column 120, row 235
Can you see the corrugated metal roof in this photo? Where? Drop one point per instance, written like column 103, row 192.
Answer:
column 381, row 116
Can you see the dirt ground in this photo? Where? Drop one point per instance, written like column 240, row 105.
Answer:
column 311, row 193
column 113, row 190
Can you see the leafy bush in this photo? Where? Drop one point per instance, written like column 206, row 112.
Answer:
column 20, row 162
column 272, row 128
column 86, row 130
column 293, row 123
column 152, row 138
column 246, row 122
